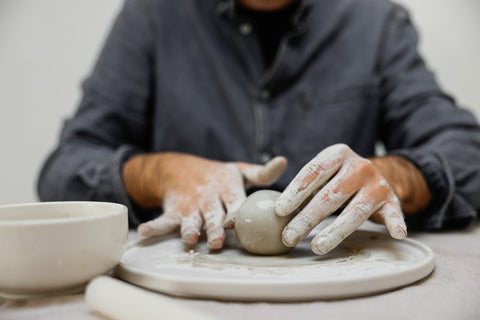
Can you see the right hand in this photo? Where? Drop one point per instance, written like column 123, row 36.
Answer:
column 193, row 191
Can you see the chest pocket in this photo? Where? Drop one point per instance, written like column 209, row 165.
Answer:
column 338, row 95
column 346, row 112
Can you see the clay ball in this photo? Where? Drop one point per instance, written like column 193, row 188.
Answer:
column 258, row 228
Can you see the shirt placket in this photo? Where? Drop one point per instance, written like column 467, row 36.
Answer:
column 263, row 88
column 260, row 96
column 265, row 93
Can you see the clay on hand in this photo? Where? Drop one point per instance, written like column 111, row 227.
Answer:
column 258, row 228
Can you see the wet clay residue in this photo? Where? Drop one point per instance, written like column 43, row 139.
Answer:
column 354, row 251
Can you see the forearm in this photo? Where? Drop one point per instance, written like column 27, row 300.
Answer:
column 406, row 180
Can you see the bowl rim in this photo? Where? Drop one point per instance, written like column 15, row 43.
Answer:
column 122, row 209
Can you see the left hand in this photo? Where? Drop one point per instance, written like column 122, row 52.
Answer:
column 337, row 176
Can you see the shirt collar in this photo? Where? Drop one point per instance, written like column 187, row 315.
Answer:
column 227, row 8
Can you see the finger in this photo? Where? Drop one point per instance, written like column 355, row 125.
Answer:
column 214, row 216
column 362, row 206
column 390, row 214
column 233, row 198
column 330, row 198
column 190, row 228
column 166, row 223
column 258, row 175
column 310, row 178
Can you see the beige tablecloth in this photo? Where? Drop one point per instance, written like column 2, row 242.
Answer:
column 452, row 291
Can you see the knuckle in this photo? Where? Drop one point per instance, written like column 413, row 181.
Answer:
column 305, row 223
column 230, row 166
column 344, row 149
column 338, row 232
column 363, row 210
column 203, row 191
column 383, row 190
column 341, row 147
column 364, row 170
column 393, row 215
column 335, row 195
column 365, row 167
column 315, row 167
column 309, row 222
column 342, row 233
column 230, row 169
column 338, row 148
column 393, row 200
column 177, row 216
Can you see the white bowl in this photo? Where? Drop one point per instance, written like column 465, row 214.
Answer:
column 53, row 247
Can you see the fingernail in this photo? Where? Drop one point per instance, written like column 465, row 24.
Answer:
column 290, row 237
column 144, row 229
column 229, row 222
column 320, row 246
column 399, row 233
column 191, row 237
column 282, row 207
column 318, row 250
column 216, row 244
column 215, row 238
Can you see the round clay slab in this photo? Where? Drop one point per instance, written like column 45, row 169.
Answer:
column 366, row 262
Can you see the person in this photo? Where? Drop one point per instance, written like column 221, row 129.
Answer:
column 191, row 103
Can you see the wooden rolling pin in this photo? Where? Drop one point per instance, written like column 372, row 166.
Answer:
column 122, row 301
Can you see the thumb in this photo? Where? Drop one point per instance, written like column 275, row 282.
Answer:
column 262, row 175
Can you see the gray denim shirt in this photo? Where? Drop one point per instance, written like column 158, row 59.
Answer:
column 188, row 76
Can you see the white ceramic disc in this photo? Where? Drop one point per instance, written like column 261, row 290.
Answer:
column 365, row 263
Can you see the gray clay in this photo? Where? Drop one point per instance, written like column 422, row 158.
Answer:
column 258, row 228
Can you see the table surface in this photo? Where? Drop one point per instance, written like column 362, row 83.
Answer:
column 451, row 291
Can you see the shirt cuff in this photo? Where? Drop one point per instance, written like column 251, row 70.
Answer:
column 447, row 210
column 112, row 188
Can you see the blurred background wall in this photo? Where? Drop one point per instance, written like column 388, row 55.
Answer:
column 48, row 46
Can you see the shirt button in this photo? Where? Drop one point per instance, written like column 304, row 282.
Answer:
column 265, row 157
column 301, row 27
column 265, row 95
column 245, row 28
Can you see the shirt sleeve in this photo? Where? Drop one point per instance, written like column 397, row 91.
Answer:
column 422, row 123
column 111, row 123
